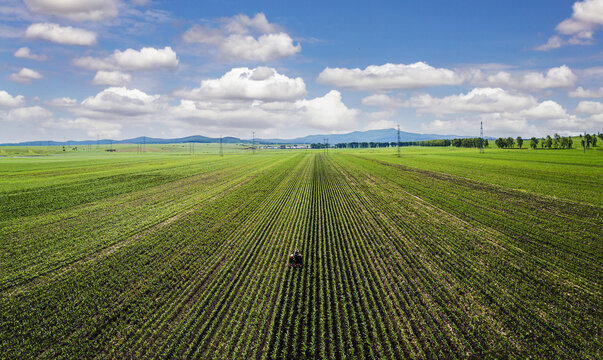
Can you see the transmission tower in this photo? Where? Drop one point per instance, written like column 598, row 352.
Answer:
column 221, row 151
column 481, row 137
column 398, row 141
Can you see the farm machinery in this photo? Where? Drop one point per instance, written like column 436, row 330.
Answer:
column 296, row 259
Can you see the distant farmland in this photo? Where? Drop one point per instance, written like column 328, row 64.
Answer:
column 441, row 253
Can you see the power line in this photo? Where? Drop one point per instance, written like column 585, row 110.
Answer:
column 481, row 137
column 398, row 140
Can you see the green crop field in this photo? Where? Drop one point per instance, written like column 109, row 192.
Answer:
column 441, row 253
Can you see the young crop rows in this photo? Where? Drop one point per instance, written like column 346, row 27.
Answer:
column 399, row 263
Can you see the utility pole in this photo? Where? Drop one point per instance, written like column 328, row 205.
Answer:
column 398, row 140
column 221, row 151
column 253, row 142
column 327, row 146
column 144, row 143
column 481, row 137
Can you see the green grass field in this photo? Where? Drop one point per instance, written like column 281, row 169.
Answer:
column 441, row 253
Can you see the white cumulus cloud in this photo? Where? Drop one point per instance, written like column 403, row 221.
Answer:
column 586, row 93
column 389, row 77
column 480, row 100
column 7, row 100
column 244, row 38
column 557, row 77
column 321, row 113
column 546, row 110
column 261, row 83
column 587, row 17
column 32, row 113
column 65, row 35
column 25, row 53
column 328, row 112
column 122, row 101
column 26, row 75
column 590, row 107
column 77, row 10
column 111, row 78
column 144, row 59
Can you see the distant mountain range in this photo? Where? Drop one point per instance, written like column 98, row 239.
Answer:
column 383, row 135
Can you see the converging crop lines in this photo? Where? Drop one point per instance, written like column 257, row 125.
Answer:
column 399, row 263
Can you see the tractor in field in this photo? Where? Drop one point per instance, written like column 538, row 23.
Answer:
column 296, row 259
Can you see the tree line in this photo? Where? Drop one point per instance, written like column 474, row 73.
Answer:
column 554, row 142
column 464, row 142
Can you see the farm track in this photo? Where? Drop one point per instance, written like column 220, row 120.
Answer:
column 400, row 263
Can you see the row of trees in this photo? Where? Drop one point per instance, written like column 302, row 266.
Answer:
column 469, row 142
column 555, row 142
column 466, row 142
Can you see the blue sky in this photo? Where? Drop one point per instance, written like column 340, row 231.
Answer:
column 74, row 69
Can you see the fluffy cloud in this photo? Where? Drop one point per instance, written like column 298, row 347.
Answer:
column 32, row 113
column 144, row 59
column 587, row 17
column 588, row 93
column 389, row 77
column 76, row 10
column 589, row 107
column 554, row 42
column 244, row 38
column 480, row 100
column 25, row 53
column 122, row 102
column 502, row 112
column 26, row 75
column 327, row 112
column 111, row 78
column 7, row 100
column 261, row 83
column 557, row 77
column 545, row 110
column 65, row 35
